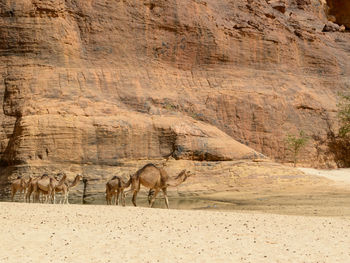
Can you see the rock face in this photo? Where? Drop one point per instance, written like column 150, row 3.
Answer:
column 103, row 82
column 340, row 9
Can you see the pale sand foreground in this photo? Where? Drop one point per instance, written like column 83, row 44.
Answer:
column 76, row 233
column 340, row 176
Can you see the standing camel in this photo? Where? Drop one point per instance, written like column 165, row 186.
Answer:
column 115, row 187
column 47, row 184
column 65, row 187
column 31, row 184
column 30, row 188
column 19, row 185
column 155, row 179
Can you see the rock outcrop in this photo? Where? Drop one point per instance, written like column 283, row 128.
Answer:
column 103, row 82
column 340, row 10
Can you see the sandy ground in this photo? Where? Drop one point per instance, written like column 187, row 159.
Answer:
column 340, row 176
column 76, row 233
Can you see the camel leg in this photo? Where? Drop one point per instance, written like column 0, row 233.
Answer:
column 28, row 196
column 150, row 194
column 36, row 195
column 166, row 197
column 24, row 195
column 117, row 197
column 156, row 191
column 113, row 200
column 107, row 198
column 123, row 197
column 13, row 192
column 50, row 196
column 20, row 194
column 134, row 197
column 67, row 197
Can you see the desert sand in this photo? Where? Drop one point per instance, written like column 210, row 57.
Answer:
column 77, row 233
column 339, row 176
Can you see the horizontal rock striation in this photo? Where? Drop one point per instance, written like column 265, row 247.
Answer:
column 102, row 82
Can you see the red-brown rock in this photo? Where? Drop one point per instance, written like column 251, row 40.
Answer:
column 98, row 82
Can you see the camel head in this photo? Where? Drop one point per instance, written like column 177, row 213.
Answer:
column 184, row 174
column 188, row 174
column 59, row 175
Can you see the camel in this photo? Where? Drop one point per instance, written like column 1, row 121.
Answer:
column 30, row 190
column 155, row 179
column 47, row 184
column 19, row 185
column 65, row 187
column 115, row 187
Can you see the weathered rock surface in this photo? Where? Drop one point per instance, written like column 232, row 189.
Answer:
column 340, row 9
column 105, row 82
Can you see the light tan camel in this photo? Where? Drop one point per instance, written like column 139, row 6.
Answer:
column 115, row 188
column 19, row 185
column 30, row 189
column 65, row 187
column 47, row 184
column 155, row 179
column 44, row 195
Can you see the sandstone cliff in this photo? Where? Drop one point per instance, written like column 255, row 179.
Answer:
column 90, row 83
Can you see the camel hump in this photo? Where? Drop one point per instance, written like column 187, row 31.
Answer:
column 44, row 175
column 115, row 177
column 149, row 165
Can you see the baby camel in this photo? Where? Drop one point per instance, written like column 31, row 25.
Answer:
column 115, row 187
column 155, row 179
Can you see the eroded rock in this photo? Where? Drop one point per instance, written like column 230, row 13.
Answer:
column 89, row 83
